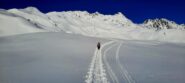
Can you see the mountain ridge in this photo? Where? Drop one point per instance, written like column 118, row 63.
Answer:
column 95, row 25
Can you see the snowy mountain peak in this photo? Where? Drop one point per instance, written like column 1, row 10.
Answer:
column 160, row 21
column 120, row 15
column 30, row 19
column 28, row 10
column 31, row 10
column 162, row 24
column 96, row 13
column 117, row 19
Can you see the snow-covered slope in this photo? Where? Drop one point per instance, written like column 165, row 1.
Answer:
column 55, row 57
column 89, row 24
column 94, row 24
column 11, row 25
column 162, row 24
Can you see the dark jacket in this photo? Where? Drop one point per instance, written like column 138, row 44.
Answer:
column 98, row 45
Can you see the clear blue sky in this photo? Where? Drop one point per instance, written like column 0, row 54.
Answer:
column 136, row 10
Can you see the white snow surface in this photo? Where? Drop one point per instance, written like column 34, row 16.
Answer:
column 28, row 20
column 64, row 48
column 57, row 57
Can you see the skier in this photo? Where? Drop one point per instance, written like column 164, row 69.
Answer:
column 98, row 45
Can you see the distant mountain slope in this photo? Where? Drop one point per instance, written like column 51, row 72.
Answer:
column 162, row 24
column 118, row 26
column 11, row 25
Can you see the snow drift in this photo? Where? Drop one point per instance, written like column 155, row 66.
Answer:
column 56, row 57
column 30, row 19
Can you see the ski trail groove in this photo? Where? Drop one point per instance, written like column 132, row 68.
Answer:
column 124, row 72
column 96, row 73
column 109, row 70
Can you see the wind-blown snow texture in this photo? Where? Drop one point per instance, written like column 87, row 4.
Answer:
column 57, row 57
column 30, row 19
column 45, row 58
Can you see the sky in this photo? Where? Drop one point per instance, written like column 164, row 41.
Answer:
column 135, row 10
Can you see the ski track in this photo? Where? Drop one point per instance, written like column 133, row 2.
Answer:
column 125, row 74
column 97, row 73
column 109, row 70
